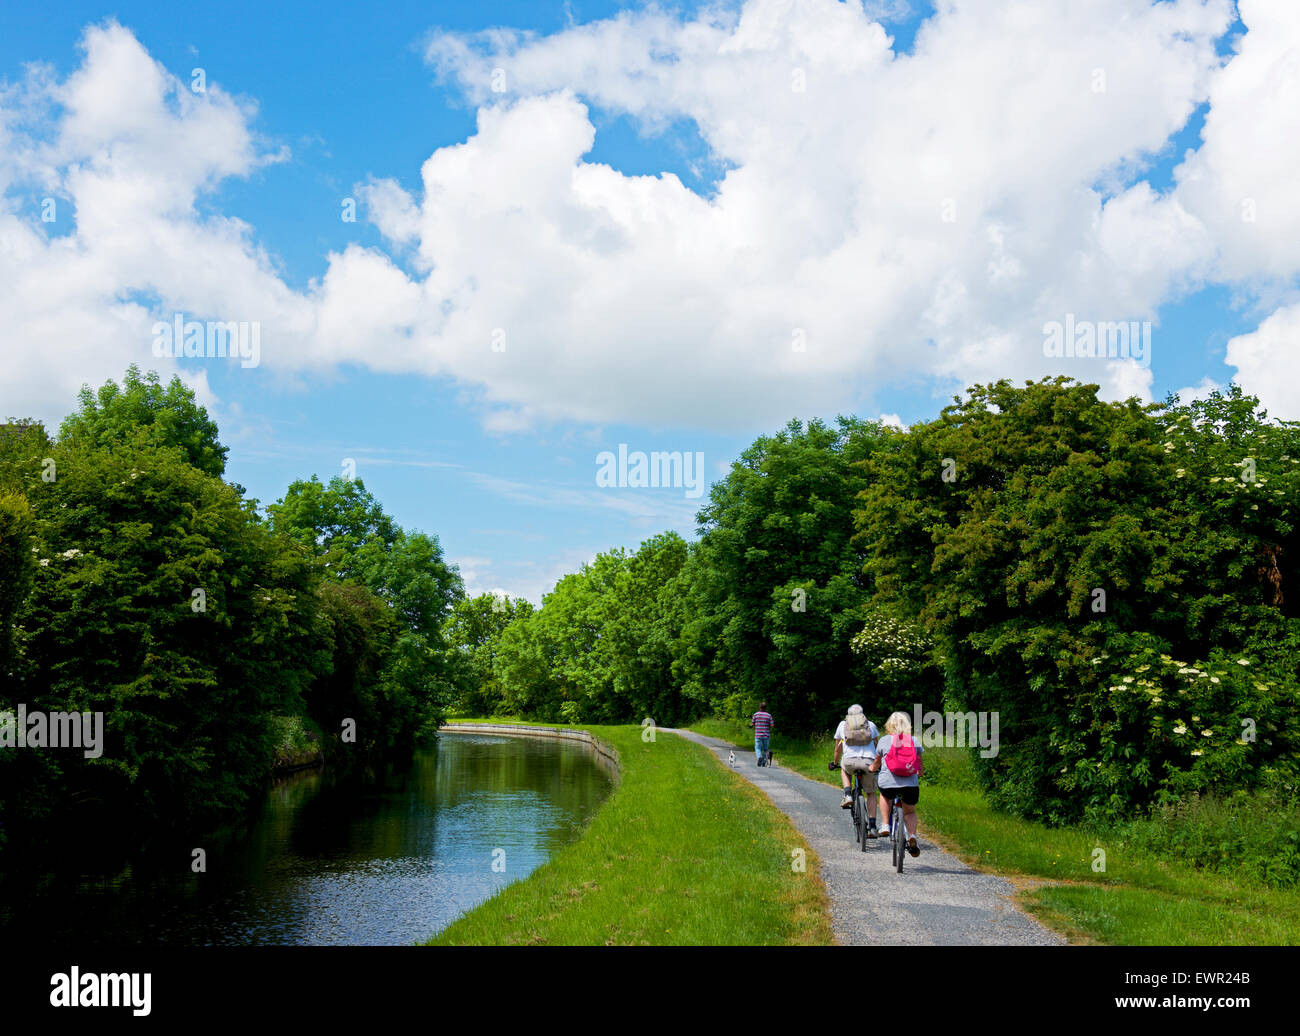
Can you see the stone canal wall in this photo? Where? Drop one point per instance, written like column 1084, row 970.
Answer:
column 605, row 753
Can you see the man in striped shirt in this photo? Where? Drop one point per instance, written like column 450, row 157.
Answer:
column 761, row 721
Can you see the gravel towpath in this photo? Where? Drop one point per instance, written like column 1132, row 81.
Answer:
column 937, row 900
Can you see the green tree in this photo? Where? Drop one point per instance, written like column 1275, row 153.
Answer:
column 355, row 541
column 1057, row 547
column 473, row 633
column 162, row 601
column 341, row 522
column 778, row 580
column 17, row 567
column 171, row 415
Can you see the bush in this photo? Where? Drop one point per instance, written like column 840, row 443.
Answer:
column 1254, row 834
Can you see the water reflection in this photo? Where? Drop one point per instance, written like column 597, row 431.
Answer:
column 388, row 861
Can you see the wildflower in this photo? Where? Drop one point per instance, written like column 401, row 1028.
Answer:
column 1180, row 729
column 1243, row 661
column 1197, row 751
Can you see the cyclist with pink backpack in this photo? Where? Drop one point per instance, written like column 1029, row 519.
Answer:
column 898, row 759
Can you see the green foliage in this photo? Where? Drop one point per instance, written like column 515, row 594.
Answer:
column 136, row 583
column 170, row 416
column 388, row 596
column 1077, row 532
column 778, row 589
column 1226, row 833
column 473, row 634
column 17, row 567
column 601, row 647
column 903, row 661
column 297, row 741
column 1118, row 581
column 125, row 536
column 24, row 450
column 341, row 522
column 362, row 684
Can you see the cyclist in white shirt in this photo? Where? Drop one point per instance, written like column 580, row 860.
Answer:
column 855, row 749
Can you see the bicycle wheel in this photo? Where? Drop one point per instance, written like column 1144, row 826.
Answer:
column 855, row 813
column 900, row 837
column 865, row 826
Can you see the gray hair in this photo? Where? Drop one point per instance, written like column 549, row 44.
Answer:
column 855, row 710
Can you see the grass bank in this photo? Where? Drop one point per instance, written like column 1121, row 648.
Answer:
column 683, row 852
column 1142, row 897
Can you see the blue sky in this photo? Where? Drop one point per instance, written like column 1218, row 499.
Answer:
column 335, row 101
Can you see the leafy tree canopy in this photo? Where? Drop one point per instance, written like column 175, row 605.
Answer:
column 172, row 417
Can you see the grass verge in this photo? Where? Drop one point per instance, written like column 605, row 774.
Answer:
column 683, row 852
column 1139, row 899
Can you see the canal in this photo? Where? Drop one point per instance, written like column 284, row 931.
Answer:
column 386, row 861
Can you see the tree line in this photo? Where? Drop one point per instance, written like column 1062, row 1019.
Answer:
column 1117, row 580
column 218, row 638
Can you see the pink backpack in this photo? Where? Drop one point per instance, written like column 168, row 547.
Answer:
column 902, row 758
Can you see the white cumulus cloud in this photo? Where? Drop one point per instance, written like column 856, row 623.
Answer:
column 881, row 218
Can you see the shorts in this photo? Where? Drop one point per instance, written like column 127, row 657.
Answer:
column 868, row 778
column 911, row 796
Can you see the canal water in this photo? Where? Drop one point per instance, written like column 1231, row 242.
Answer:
column 389, row 861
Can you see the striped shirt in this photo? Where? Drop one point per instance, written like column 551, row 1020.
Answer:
column 762, row 724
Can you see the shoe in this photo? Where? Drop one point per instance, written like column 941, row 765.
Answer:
column 912, row 848
column 884, row 832
column 872, row 832
column 848, row 801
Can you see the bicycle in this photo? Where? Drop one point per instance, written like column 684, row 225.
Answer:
column 858, row 808
column 897, row 830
